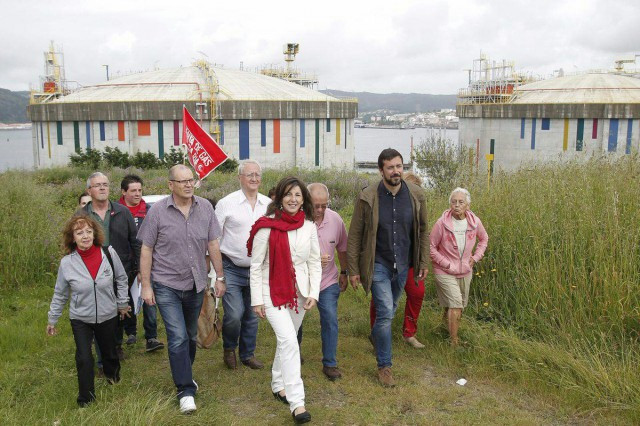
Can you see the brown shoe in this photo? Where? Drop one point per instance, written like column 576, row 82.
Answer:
column 385, row 377
column 332, row 373
column 253, row 363
column 230, row 359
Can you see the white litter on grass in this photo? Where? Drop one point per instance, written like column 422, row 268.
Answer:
column 462, row 382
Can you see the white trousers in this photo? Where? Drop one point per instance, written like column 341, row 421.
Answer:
column 285, row 373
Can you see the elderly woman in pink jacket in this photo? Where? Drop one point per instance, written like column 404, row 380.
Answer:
column 452, row 240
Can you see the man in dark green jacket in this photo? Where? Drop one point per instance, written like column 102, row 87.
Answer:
column 388, row 235
column 119, row 231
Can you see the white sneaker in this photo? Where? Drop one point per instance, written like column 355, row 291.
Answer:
column 413, row 342
column 187, row 405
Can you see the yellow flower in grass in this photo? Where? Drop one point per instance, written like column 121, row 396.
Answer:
column 485, row 304
column 574, row 287
column 494, row 270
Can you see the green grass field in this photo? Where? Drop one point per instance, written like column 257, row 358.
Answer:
column 551, row 332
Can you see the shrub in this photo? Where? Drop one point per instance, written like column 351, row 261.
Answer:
column 146, row 160
column 442, row 161
column 229, row 166
column 113, row 157
column 90, row 158
column 173, row 157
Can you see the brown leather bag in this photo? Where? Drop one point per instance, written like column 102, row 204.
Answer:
column 209, row 323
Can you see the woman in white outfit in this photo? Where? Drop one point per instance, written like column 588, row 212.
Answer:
column 285, row 282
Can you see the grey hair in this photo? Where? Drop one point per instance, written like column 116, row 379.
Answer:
column 243, row 163
column 312, row 187
column 466, row 193
column 93, row 176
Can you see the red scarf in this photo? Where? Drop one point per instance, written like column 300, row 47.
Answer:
column 92, row 258
column 282, row 274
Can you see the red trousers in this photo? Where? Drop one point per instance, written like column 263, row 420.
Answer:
column 415, row 295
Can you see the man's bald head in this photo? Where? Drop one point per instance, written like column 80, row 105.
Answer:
column 319, row 188
column 175, row 169
column 319, row 199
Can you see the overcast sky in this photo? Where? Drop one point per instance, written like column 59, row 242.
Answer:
column 376, row 46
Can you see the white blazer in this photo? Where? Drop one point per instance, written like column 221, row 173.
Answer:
column 305, row 252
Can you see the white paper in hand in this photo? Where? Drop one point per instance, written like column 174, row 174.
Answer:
column 136, row 296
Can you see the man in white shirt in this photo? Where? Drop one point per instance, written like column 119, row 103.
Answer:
column 236, row 214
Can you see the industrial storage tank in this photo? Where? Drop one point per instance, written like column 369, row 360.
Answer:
column 566, row 117
column 279, row 123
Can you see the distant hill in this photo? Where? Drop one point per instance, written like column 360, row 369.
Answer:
column 401, row 102
column 13, row 106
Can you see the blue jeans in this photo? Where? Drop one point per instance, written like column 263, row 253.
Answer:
column 386, row 288
column 239, row 323
column 328, row 309
column 180, row 310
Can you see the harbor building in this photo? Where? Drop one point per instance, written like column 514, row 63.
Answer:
column 513, row 120
column 250, row 115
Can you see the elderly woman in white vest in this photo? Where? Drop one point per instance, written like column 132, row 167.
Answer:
column 285, row 279
column 452, row 240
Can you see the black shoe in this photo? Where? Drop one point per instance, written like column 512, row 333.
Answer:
column 280, row 398
column 113, row 380
column 303, row 417
column 154, row 344
column 131, row 339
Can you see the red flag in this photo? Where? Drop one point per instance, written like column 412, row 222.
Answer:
column 204, row 153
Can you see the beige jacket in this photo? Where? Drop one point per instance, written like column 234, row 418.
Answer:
column 305, row 253
column 361, row 242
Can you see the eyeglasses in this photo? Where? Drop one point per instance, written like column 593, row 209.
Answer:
column 252, row 175
column 184, row 181
column 100, row 185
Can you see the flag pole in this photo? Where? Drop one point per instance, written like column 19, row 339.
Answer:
column 183, row 147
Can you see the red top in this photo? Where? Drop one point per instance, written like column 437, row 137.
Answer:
column 136, row 211
column 92, row 257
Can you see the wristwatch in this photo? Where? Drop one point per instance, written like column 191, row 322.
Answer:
column 221, row 279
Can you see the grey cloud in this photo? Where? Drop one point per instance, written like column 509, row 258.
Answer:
column 427, row 47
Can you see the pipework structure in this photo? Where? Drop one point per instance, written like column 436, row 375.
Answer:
column 491, row 82
column 53, row 82
column 289, row 72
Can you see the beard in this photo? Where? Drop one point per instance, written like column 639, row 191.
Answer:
column 391, row 181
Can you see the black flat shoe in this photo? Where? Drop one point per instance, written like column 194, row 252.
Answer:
column 280, row 398
column 303, row 417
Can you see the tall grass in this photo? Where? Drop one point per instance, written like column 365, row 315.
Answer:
column 563, row 270
column 564, row 250
column 554, row 304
